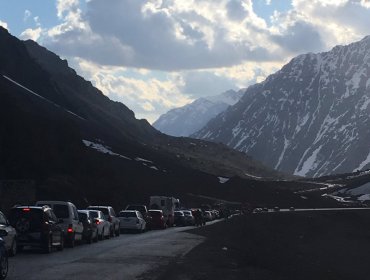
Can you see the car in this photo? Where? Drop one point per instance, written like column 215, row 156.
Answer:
column 66, row 212
column 103, row 226
column 37, row 226
column 10, row 238
column 157, row 219
column 90, row 231
column 131, row 220
column 276, row 209
column 110, row 216
column 291, row 208
column 179, row 218
column 189, row 218
column 3, row 257
column 143, row 210
column 207, row 215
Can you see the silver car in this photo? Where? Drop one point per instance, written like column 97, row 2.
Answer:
column 131, row 220
column 10, row 235
column 104, row 227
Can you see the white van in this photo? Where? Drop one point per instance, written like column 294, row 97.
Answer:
column 67, row 212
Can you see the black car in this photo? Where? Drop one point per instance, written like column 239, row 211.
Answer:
column 37, row 227
column 3, row 257
column 90, row 231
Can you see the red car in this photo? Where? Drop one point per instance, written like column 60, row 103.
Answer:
column 157, row 219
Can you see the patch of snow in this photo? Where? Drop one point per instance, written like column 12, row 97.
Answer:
column 309, row 164
column 364, row 197
column 364, row 163
column 102, row 149
column 223, row 180
column 143, row 160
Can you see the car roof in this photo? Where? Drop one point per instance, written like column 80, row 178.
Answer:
column 155, row 210
column 128, row 211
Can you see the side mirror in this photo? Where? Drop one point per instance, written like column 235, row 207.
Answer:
column 3, row 233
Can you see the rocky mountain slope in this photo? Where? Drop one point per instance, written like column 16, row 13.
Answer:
column 63, row 134
column 188, row 119
column 311, row 118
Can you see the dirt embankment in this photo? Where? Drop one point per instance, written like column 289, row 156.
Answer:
column 297, row 246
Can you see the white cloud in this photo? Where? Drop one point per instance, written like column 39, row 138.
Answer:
column 4, row 24
column 27, row 15
column 181, row 50
column 33, row 34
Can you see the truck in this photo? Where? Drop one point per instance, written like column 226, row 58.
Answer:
column 167, row 204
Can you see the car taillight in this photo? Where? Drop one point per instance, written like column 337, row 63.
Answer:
column 26, row 209
column 98, row 222
column 70, row 229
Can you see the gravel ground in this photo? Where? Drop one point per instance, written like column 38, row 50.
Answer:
column 331, row 245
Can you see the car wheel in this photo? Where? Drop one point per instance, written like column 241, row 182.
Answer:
column 90, row 239
column 3, row 267
column 109, row 234
column 13, row 249
column 118, row 231
column 49, row 245
column 61, row 245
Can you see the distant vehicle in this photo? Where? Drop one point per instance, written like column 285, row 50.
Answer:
column 257, row 210
column 207, row 215
column 143, row 210
column 167, row 205
column 90, row 231
column 10, row 238
column 3, row 257
column 132, row 220
column 103, row 226
column 179, row 218
column 67, row 213
column 38, row 227
column 110, row 216
column 157, row 220
column 189, row 218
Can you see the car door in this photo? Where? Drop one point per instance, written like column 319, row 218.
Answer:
column 78, row 226
column 52, row 225
column 4, row 224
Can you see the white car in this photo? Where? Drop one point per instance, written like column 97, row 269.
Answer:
column 131, row 220
column 104, row 227
column 9, row 235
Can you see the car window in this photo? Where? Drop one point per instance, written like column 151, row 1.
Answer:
column 127, row 214
column 75, row 213
column 33, row 216
column 2, row 219
column 112, row 212
column 94, row 214
column 82, row 217
column 155, row 213
column 61, row 211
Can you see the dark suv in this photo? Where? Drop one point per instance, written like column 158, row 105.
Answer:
column 37, row 227
column 110, row 216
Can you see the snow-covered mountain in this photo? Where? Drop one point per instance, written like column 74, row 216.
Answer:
column 188, row 119
column 311, row 118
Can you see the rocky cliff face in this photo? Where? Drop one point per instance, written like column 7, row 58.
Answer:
column 311, row 118
column 188, row 119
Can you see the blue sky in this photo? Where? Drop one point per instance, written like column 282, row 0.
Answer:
column 154, row 55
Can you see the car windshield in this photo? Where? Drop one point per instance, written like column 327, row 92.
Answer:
column 94, row 214
column 155, row 213
column 136, row 207
column 33, row 216
column 177, row 214
column 82, row 216
column 103, row 209
column 127, row 214
column 61, row 211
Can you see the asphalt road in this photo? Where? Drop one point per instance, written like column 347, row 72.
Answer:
column 129, row 256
